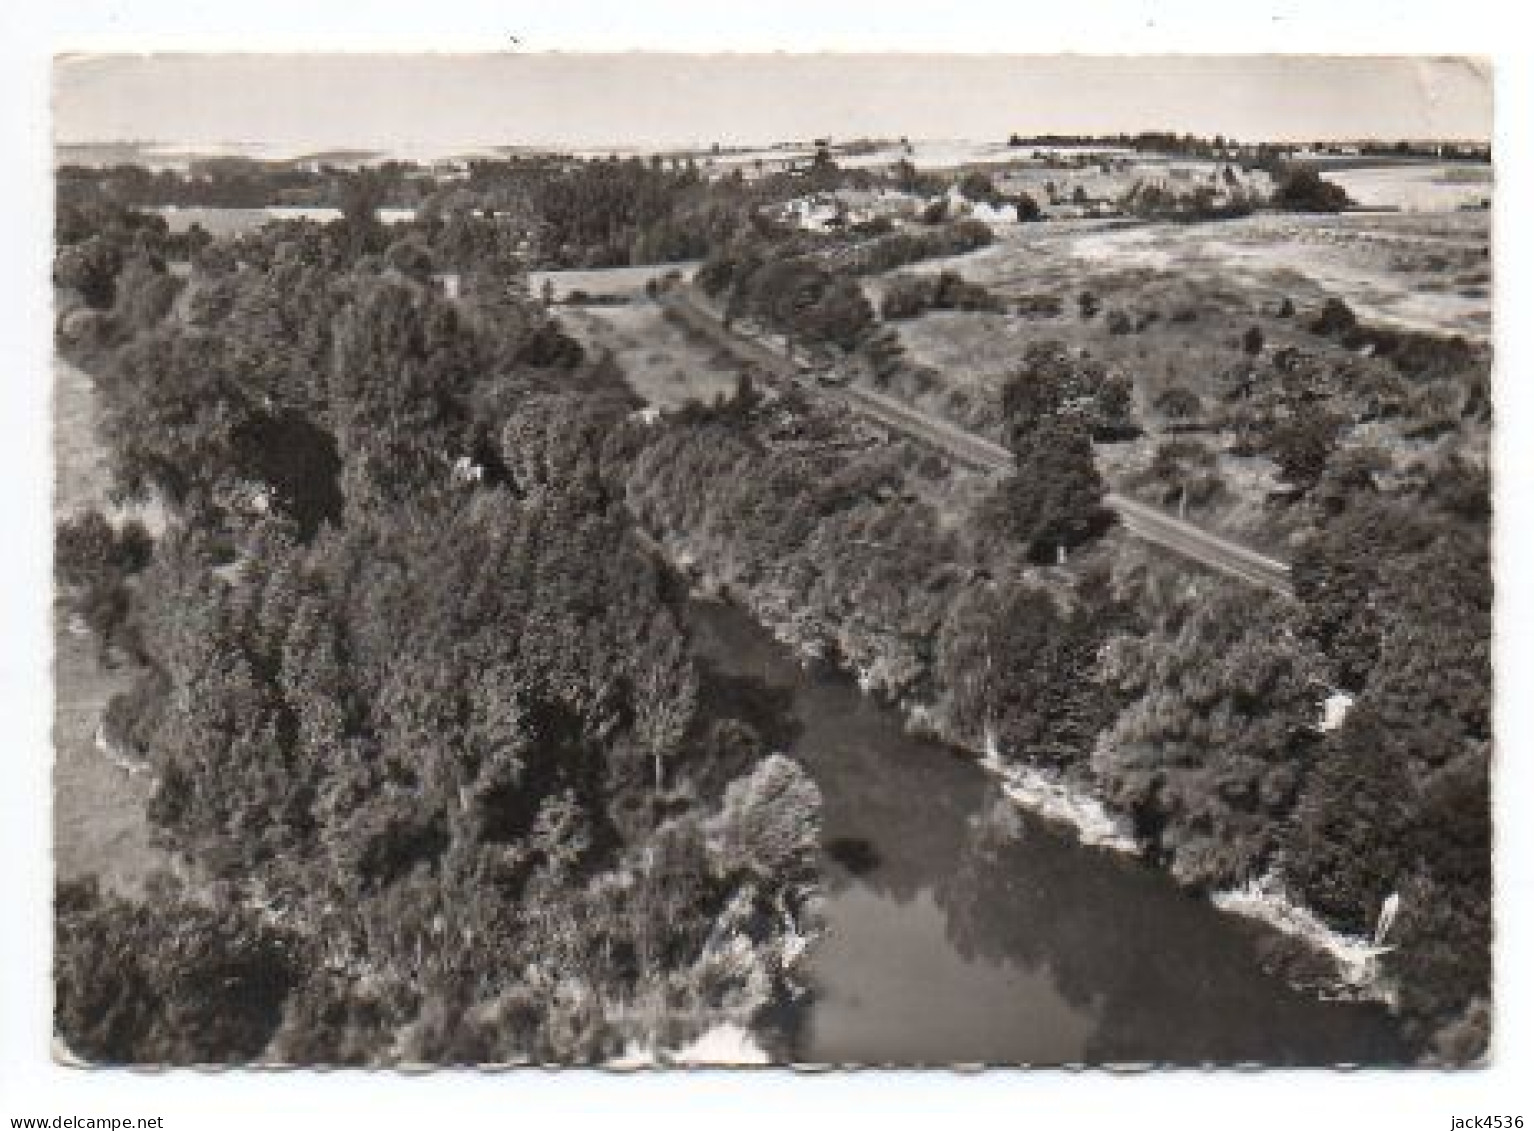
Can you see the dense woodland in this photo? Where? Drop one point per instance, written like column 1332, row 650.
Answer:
column 418, row 695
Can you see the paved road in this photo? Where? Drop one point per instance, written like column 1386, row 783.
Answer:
column 1155, row 525
column 979, row 454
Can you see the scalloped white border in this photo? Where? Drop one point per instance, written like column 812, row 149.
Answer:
column 30, row 1084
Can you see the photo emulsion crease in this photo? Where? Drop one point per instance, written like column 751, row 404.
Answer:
column 643, row 561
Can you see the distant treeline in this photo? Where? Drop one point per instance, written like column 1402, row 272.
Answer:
column 1193, row 145
column 241, row 182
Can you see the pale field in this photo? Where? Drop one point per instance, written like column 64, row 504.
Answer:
column 1416, row 188
column 236, row 221
column 99, row 827
column 618, row 282
column 663, row 364
column 1425, row 271
column 1189, row 292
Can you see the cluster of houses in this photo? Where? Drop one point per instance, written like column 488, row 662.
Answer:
column 1096, row 195
column 850, row 208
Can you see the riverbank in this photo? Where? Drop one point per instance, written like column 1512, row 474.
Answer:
column 99, row 826
column 962, row 927
column 1334, row 965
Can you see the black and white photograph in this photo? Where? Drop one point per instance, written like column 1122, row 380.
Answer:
column 666, row 560
column 827, row 596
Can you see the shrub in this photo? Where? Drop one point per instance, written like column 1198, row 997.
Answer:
column 977, row 185
column 1336, row 317
column 95, row 560
column 1040, row 306
column 172, row 982
column 1179, row 404
column 905, row 296
column 908, row 296
column 1183, row 472
column 1302, row 189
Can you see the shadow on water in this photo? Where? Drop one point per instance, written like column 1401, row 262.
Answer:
column 959, row 929
column 854, row 853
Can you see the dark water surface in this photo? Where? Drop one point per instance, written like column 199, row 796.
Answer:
column 962, row 930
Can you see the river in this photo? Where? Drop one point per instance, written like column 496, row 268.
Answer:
column 961, row 930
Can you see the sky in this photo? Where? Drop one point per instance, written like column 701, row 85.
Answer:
column 302, row 103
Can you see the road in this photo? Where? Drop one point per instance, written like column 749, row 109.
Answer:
column 979, row 454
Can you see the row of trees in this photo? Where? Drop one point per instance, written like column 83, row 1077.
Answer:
column 806, row 287
column 819, row 534
column 1200, row 202
column 243, row 182
column 793, row 294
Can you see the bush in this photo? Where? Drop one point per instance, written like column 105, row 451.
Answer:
column 877, row 226
column 1302, row 189
column 1202, row 202
column 1183, row 472
column 1040, row 306
column 977, row 185
column 1179, row 404
column 908, row 296
column 169, row 982
column 96, row 560
column 912, row 246
column 89, row 268
column 1336, row 317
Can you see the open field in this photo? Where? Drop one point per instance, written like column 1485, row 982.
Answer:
column 924, row 153
column 99, row 826
column 1417, row 271
column 611, row 282
column 234, row 221
column 81, row 479
column 1416, row 187
column 658, row 359
column 1169, row 307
